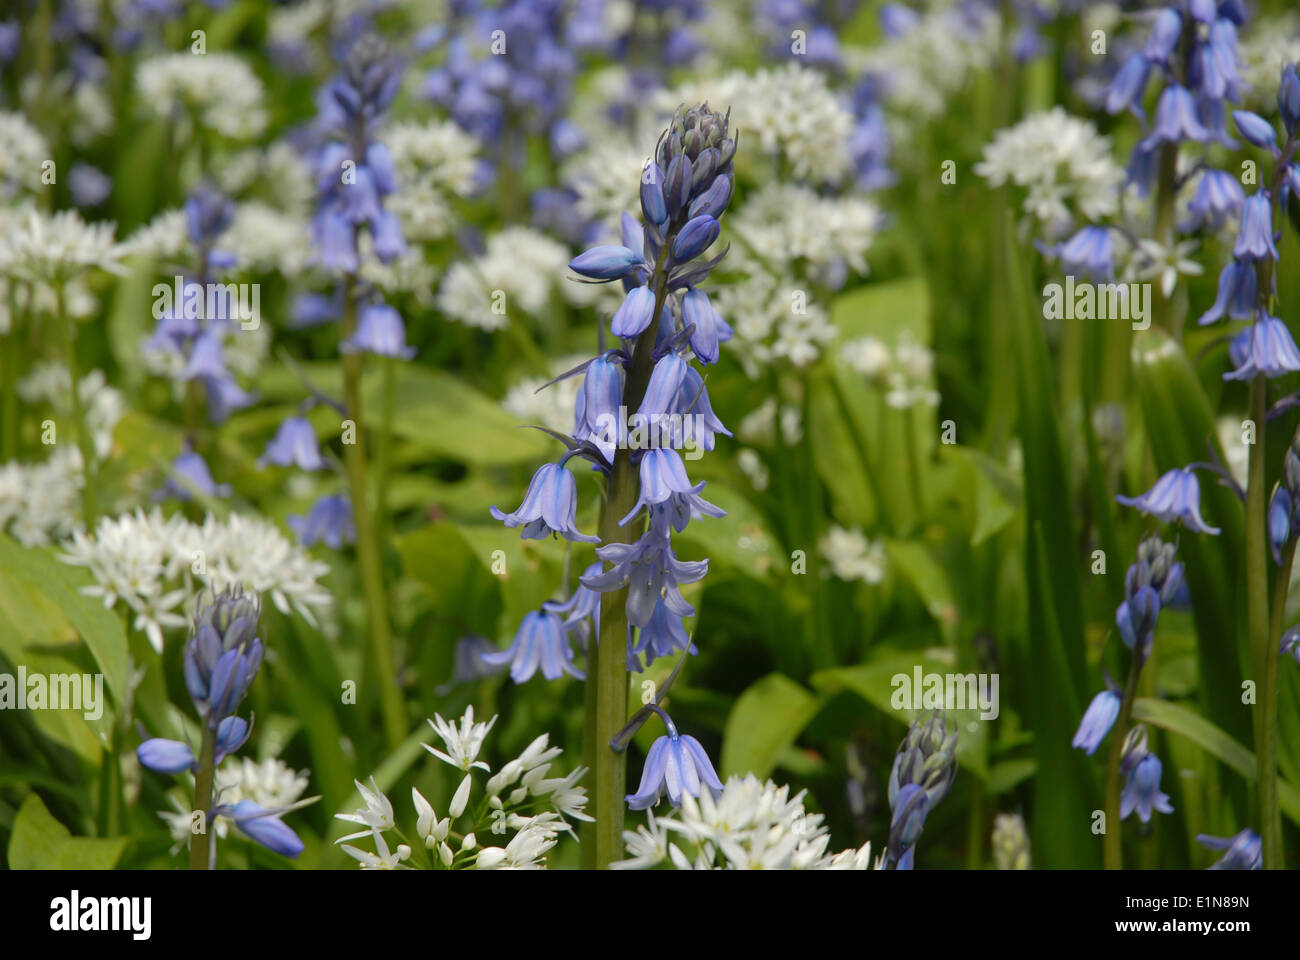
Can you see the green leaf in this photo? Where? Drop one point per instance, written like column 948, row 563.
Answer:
column 928, row 578
column 1214, row 741
column 765, row 720
column 39, row 842
column 100, row 629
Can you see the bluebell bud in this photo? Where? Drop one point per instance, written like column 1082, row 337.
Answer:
column 1255, row 129
column 1288, row 98
column 605, row 262
column 223, row 653
column 696, row 237
column 652, row 194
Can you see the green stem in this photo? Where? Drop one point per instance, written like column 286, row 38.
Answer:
column 610, row 678
column 384, row 449
column 9, row 382
column 368, row 554
column 1270, row 812
column 200, row 843
column 1112, row 841
column 82, row 431
column 1257, row 626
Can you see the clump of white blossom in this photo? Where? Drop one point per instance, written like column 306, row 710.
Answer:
column 752, row 825
column 40, row 502
column 851, row 556
column 516, row 816
column 149, row 563
column 271, row 784
column 905, row 373
column 435, row 163
column 217, row 91
column 1062, row 163
column 24, row 150
column 550, row 407
column 516, row 273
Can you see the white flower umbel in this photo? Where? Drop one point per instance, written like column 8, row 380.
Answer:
column 1063, row 165
column 550, row 407
column 851, row 556
column 218, row 91
column 519, row 812
column 24, row 150
column 149, row 563
column 753, row 825
column 515, row 275
column 435, row 163
column 56, row 248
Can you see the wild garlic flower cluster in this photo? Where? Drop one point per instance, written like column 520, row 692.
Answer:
column 750, row 825
column 151, row 563
column 508, row 820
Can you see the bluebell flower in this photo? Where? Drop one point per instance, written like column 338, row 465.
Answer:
column 1176, row 119
column 89, row 186
column 379, row 331
column 1218, row 196
column 923, row 771
column 11, row 38
column 1097, row 721
column 663, row 636
column 294, row 445
column 541, row 642
column 1290, row 646
column 1269, row 350
column 1176, row 496
column 1165, row 33
column 173, row 756
column 697, row 310
column 635, row 313
column 1142, row 790
column 1128, row 84
column 223, row 654
column 1136, row 620
column 1255, row 239
column 1203, row 11
column 651, row 571
column 1245, row 851
column 693, row 400
column 1090, row 253
column 676, row 765
column 190, row 472
column 609, row 262
column 1279, row 521
column 1288, row 98
column 329, row 521
column 695, row 237
column 1213, row 67
column 207, row 215
column 314, row 309
column 1236, row 295
column 1157, row 567
column 602, row 395
column 207, row 359
column 666, row 381
column 662, row 475
column 467, row 662
column 263, row 826
column 1256, row 129
column 582, row 609
column 550, row 507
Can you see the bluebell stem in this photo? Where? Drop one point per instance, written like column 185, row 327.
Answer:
column 923, row 771
column 222, row 657
column 1176, row 496
column 1244, row 851
column 1151, row 583
column 355, row 174
column 684, row 191
column 676, row 765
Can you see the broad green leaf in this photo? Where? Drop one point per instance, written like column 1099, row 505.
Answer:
column 1213, row 740
column 100, row 629
column 40, row 842
column 765, row 720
